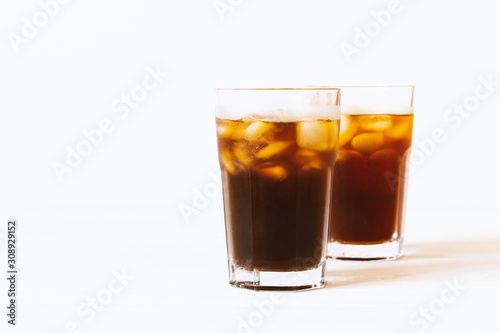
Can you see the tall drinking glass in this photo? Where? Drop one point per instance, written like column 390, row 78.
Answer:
column 277, row 149
column 370, row 183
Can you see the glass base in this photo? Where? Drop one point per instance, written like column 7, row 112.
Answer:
column 274, row 281
column 386, row 251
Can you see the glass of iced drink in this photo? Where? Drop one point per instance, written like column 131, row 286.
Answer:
column 370, row 183
column 277, row 149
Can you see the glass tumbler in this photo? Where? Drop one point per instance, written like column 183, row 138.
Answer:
column 277, row 148
column 369, row 182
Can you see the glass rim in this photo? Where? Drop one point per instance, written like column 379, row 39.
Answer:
column 279, row 89
column 409, row 88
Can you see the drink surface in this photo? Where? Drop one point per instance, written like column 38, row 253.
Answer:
column 277, row 187
column 369, row 182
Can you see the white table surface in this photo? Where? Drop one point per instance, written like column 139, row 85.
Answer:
column 68, row 252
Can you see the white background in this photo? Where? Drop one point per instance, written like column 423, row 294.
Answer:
column 120, row 207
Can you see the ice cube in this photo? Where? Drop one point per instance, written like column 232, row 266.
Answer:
column 225, row 157
column 348, row 127
column 258, row 131
column 316, row 135
column 346, row 154
column 239, row 130
column 273, row 149
column 303, row 156
column 250, row 118
column 367, row 142
column 399, row 130
column 314, row 165
column 377, row 123
column 242, row 153
column 223, row 129
column 301, row 152
column 273, row 171
column 385, row 154
column 227, row 162
column 333, row 133
column 231, row 129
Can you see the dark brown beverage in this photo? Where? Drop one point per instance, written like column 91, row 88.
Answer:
column 367, row 199
column 277, row 186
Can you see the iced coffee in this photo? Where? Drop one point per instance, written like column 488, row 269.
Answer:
column 369, row 182
column 277, row 173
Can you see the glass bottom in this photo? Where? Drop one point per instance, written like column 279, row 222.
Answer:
column 385, row 251
column 274, row 281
